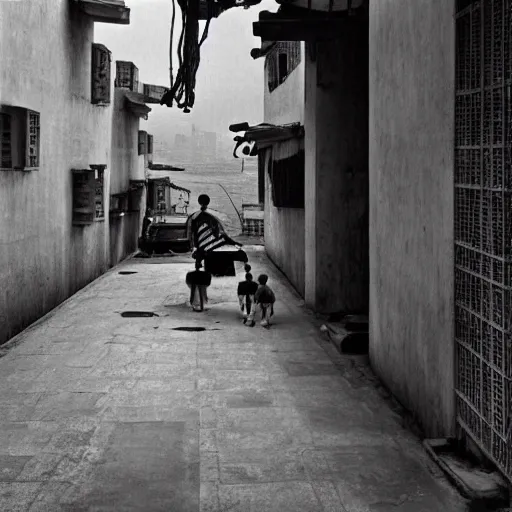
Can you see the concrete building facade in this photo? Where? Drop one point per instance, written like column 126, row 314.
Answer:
column 326, row 260
column 408, row 187
column 284, row 227
column 52, row 122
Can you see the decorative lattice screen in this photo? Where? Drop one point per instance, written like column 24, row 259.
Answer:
column 483, row 224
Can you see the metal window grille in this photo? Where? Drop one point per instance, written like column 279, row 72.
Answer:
column 98, row 193
column 100, row 75
column 483, row 225
column 33, row 132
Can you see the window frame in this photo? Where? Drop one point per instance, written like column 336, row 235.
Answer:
column 25, row 138
column 276, row 72
column 101, row 75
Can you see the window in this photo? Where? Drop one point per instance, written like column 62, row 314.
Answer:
column 143, row 139
column 287, row 176
column 98, row 192
column 88, row 195
column 281, row 61
column 19, row 139
column 5, row 141
column 262, row 156
column 119, row 203
column 150, row 144
column 127, row 75
column 100, row 76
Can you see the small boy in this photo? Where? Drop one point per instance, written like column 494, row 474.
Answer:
column 265, row 298
column 246, row 291
column 198, row 282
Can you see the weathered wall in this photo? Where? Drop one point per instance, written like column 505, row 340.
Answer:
column 127, row 165
column 336, row 185
column 125, row 140
column 284, row 227
column 411, row 214
column 45, row 65
column 124, row 233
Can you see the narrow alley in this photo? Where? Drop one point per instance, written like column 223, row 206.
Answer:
column 102, row 412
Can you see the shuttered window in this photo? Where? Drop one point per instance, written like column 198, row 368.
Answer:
column 287, row 178
column 20, row 133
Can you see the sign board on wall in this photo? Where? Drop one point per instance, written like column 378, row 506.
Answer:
column 84, row 187
column 100, row 79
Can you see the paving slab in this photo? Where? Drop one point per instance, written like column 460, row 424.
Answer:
column 104, row 413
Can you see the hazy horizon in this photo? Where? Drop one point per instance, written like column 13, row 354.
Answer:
column 229, row 84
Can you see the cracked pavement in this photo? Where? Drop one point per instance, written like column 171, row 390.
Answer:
column 104, row 413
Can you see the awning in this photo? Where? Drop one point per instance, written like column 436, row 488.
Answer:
column 177, row 187
column 167, row 182
column 299, row 24
column 135, row 103
column 324, row 5
column 105, row 11
column 264, row 134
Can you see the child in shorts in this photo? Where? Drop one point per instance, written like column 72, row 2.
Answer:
column 265, row 298
column 246, row 291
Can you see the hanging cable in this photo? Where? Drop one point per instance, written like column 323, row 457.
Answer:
column 183, row 86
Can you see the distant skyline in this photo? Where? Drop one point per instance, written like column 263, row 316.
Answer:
column 229, row 84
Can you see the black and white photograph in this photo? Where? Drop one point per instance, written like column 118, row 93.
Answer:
column 256, row 255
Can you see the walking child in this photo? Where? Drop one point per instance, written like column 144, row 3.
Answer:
column 198, row 282
column 265, row 298
column 246, row 291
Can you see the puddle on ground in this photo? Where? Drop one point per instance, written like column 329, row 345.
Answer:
column 137, row 314
column 193, row 329
column 127, row 272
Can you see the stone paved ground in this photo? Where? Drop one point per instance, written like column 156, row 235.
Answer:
column 104, row 413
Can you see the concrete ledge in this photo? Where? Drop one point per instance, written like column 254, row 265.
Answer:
column 349, row 336
column 483, row 487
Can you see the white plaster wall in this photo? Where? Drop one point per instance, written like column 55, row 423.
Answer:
column 284, row 227
column 127, row 165
column 45, row 61
column 126, row 162
column 411, row 214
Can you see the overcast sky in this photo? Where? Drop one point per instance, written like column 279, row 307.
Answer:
column 229, row 82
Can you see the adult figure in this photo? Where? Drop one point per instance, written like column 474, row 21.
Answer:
column 207, row 236
column 180, row 207
column 146, row 222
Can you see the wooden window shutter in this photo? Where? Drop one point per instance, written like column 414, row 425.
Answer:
column 100, row 76
column 287, row 177
column 143, row 140
column 261, row 176
column 150, row 144
column 272, row 72
column 127, row 75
